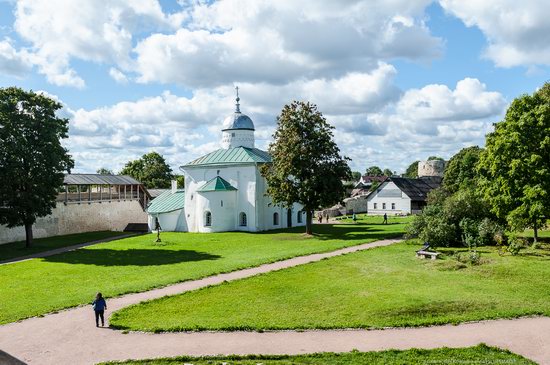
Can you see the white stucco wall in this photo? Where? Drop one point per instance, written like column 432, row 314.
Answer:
column 389, row 193
column 170, row 221
column 78, row 218
column 249, row 198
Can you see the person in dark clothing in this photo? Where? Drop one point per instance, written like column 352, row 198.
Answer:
column 100, row 306
column 385, row 219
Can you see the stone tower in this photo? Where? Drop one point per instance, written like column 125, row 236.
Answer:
column 431, row 168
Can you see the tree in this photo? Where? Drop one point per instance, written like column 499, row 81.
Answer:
column 412, row 170
column 387, row 172
column 461, row 170
column 516, row 163
column 151, row 169
column 181, row 180
column 104, row 171
column 356, row 175
column 306, row 167
column 431, row 158
column 374, row 171
column 32, row 159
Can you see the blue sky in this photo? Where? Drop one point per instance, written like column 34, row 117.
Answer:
column 400, row 80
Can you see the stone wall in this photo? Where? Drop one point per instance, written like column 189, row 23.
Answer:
column 431, row 168
column 79, row 218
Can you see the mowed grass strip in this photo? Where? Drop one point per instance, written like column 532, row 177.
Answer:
column 377, row 288
column 13, row 250
column 39, row 286
column 480, row 354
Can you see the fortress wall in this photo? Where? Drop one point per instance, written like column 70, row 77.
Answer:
column 79, row 218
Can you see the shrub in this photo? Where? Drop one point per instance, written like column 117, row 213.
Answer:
column 490, row 232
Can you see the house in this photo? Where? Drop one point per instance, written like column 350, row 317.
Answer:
column 224, row 190
column 400, row 195
column 363, row 186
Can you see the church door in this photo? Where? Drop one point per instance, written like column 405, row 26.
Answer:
column 289, row 218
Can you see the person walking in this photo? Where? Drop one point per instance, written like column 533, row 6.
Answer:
column 100, row 306
column 385, row 219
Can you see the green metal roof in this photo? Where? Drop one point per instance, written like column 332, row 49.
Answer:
column 237, row 155
column 167, row 202
column 216, row 184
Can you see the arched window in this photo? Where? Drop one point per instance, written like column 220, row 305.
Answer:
column 299, row 216
column 208, row 219
column 275, row 219
column 242, row 219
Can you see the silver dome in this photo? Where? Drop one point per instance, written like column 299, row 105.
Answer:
column 238, row 120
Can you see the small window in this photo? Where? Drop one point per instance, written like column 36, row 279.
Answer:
column 393, row 206
column 221, row 203
column 299, row 216
column 275, row 219
column 375, row 205
column 232, row 134
column 208, row 219
column 383, row 205
column 242, row 219
column 191, row 196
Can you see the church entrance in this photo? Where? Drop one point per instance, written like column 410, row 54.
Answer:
column 289, row 218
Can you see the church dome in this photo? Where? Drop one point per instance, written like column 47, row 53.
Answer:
column 238, row 121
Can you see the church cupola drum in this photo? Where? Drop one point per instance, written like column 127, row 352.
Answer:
column 238, row 129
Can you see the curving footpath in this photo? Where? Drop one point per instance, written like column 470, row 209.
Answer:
column 70, row 336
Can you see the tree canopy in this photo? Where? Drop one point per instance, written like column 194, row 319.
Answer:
column 151, row 170
column 387, row 172
column 412, row 170
column 32, row 158
column 461, row 170
column 306, row 167
column 516, row 162
column 374, row 171
column 355, row 175
column 104, row 171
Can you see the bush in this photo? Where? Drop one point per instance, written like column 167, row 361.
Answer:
column 490, row 232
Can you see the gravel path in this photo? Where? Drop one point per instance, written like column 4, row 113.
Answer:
column 70, row 336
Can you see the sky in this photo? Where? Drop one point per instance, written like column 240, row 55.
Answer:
column 400, row 80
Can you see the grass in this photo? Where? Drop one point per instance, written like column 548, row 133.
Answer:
column 377, row 288
column 480, row 354
column 39, row 286
column 17, row 249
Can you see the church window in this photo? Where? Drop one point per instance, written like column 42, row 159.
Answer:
column 222, row 203
column 383, row 205
column 208, row 219
column 232, row 134
column 375, row 205
column 392, row 206
column 242, row 219
column 299, row 216
column 275, row 219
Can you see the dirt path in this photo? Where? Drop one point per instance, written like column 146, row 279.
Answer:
column 70, row 337
column 65, row 249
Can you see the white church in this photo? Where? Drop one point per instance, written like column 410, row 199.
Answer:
column 224, row 190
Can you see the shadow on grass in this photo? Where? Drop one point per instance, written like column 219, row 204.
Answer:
column 131, row 257
column 341, row 231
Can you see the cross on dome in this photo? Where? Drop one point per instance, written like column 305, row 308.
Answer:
column 237, row 105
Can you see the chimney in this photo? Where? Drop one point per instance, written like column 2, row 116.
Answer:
column 174, row 186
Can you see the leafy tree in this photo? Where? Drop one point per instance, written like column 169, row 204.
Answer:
column 387, row 172
column 151, row 169
column 374, row 171
column 181, row 180
column 356, row 175
column 461, row 170
column 32, row 159
column 104, row 171
column 516, row 163
column 412, row 170
column 431, row 158
column 307, row 167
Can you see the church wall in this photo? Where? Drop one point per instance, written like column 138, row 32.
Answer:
column 389, row 193
column 170, row 222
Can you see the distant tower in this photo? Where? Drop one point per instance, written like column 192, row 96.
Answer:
column 238, row 128
column 431, row 168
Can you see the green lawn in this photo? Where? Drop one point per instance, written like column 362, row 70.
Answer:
column 17, row 249
column 480, row 354
column 133, row 264
column 381, row 287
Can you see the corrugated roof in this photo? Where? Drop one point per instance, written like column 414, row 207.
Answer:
column 237, row 155
column 96, row 179
column 417, row 189
column 167, row 202
column 156, row 192
column 216, row 184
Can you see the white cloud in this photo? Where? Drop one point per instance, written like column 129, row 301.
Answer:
column 517, row 31
column 118, row 76
column 13, row 62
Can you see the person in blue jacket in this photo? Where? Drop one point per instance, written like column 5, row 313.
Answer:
column 100, row 306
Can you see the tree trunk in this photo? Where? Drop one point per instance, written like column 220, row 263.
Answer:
column 28, row 235
column 309, row 222
column 535, row 232
column 289, row 218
